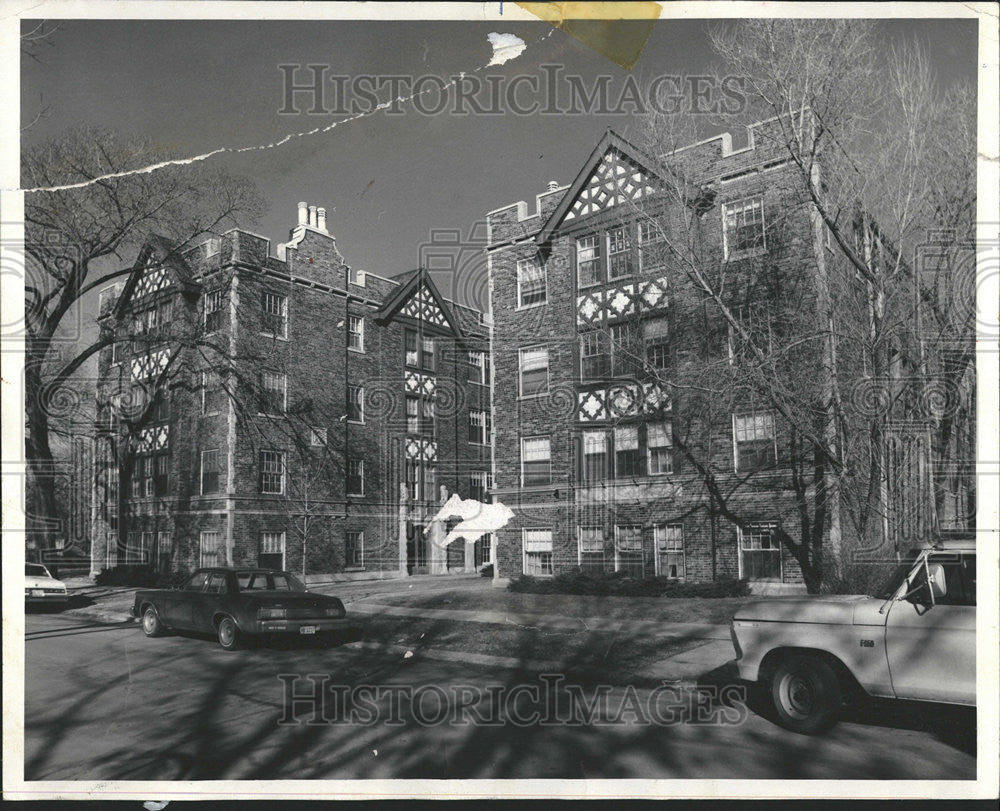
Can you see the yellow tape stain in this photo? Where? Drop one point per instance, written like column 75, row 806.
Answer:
column 616, row 30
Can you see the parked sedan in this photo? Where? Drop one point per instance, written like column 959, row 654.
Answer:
column 41, row 588
column 235, row 603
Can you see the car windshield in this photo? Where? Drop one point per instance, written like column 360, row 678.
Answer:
column 35, row 570
column 268, row 581
column 897, row 576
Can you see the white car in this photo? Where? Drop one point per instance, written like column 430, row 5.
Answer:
column 41, row 588
column 914, row 639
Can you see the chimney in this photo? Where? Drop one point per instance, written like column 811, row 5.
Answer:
column 303, row 213
column 312, row 216
column 553, row 185
column 321, row 219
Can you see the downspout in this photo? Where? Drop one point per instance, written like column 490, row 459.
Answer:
column 231, row 427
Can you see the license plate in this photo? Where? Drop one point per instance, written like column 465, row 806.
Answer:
column 37, row 593
column 307, row 629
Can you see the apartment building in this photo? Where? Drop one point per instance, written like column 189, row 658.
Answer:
column 278, row 408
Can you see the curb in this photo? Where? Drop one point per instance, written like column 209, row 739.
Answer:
column 106, row 617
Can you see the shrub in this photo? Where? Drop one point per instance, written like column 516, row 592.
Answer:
column 602, row 584
column 140, row 576
column 487, row 570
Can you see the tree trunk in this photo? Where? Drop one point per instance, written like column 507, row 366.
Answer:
column 41, row 516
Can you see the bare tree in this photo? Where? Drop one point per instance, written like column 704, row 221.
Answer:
column 874, row 155
column 79, row 240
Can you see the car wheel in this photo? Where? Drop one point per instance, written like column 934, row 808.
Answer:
column 229, row 634
column 806, row 694
column 151, row 625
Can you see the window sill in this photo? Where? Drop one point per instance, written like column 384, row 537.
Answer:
column 590, row 286
column 530, row 306
column 354, row 568
column 537, row 396
column 354, row 495
column 211, row 414
column 357, row 351
column 275, row 337
column 355, row 422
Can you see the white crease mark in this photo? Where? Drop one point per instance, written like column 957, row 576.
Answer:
column 504, row 49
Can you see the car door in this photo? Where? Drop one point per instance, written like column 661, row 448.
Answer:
column 180, row 604
column 931, row 648
column 205, row 604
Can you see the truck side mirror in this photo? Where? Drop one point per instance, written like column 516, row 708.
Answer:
column 938, row 583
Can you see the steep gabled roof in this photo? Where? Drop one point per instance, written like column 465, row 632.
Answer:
column 616, row 172
column 161, row 252
column 417, row 297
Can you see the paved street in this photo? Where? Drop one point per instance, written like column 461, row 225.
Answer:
column 105, row 702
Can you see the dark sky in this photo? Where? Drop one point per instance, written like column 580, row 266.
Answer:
column 386, row 180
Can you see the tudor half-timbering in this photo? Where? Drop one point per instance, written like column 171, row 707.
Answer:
column 594, row 319
column 286, row 410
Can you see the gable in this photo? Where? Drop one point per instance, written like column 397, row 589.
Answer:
column 614, row 181
column 422, row 306
column 418, row 299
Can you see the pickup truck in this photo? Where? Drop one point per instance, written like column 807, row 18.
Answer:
column 915, row 638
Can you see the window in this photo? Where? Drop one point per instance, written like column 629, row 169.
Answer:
column 626, row 450
column 754, row 443
column 669, row 539
column 755, row 319
column 161, row 405
column 595, row 456
column 652, row 246
column 356, row 403
column 412, row 358
column 214, row 302
column 354, row 550
column 272, row 550
column 212, row 393
column 594, row 356
column 317, row 437
column 588, row 261
column 477, row 428
column 427, row 353
column 430, row 484
column 147, row 476
column 592, row 548
column 536, row 462
column 628, row 549
column 479, row 484
column 620, row 260
column 537, row 544
column 760, row 553
column 625, row 349
column 356, row 333
column 164, row 550
column 160, row 318
column 274, row 314
column 273, row 390
column 487, row 542
column 209, row 556
column 659, row 445
column 412, row 415
column 531, row 284
column 412, row 479
column 534, row 370
column 161, row 474
column 210, row 471
column 427, row 414
column 355, row 477
column 216, row 584
column 743, row 231
column 271, row 465
column 655, row 335
column 479, row 368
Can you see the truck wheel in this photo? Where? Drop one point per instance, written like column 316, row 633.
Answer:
column 151, row 625
column 229, row 634
column 806, row 694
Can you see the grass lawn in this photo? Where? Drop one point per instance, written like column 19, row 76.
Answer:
column 472, row 595
column 614, row 654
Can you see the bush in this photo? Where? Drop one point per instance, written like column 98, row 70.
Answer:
column 141, row 576
column 487, row 570
column 603, row 584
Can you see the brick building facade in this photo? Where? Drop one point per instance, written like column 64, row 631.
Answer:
column 594, row 316
column 286, row 410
